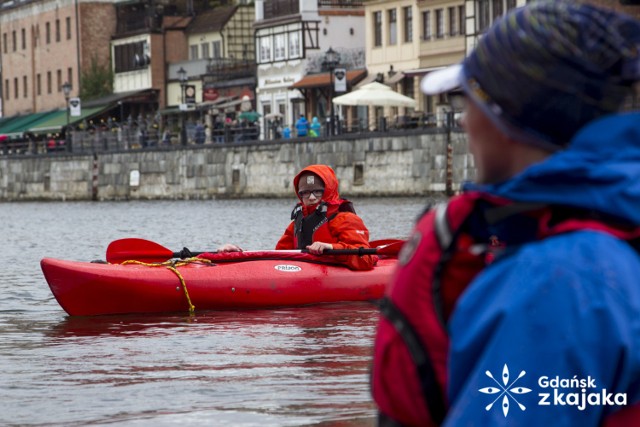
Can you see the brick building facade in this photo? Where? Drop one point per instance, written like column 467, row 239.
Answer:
column 41, row 50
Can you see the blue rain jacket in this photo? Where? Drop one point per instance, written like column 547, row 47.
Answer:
column 549, row 335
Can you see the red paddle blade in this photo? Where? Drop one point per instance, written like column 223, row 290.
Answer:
column 383, row 242
column 143, row 250
column 390, row 249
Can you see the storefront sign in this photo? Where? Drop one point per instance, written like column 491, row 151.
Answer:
column 190, row 94
column 75, row 109
column 340, row 80
column 210, row 94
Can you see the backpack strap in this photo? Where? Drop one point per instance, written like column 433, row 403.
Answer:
column 430, row 388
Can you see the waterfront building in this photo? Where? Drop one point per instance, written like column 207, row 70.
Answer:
column 220, row 67
column 47, row 43
column 292, row 37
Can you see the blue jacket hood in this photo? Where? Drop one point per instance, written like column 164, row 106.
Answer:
column 600, row 170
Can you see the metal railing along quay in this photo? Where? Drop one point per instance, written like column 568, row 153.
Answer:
column 132, row 138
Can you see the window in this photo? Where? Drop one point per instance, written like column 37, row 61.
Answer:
column 36, row 36
column 511, row 4
column 59, row 80
column 125, row 54
column 427, row 106
column 377, row 28
column 278, row 8
column 461, row 21
column 47, row 29
column 14, row 41
column 483, row 15
column 265, row 49
column 68, row 22
column 217, row 49
column 57, row 30
column 15, row 88
column 408, row 24
column 452, row 21
column 498, row 11
column 70, row 76
column 408, row 89
column 24, row 39
column 6, row 88
column 426, row 25
column 48, row 81
column 279, row 47
column 193, row 51
column 393, row 27
column 205, row 50
column 294, row 45
column 439, row 23
column 38, row 84
column 4, row 42
column 25, row 89
column 266, row 108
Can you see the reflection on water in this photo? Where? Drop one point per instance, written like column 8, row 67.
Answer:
column 298, row 366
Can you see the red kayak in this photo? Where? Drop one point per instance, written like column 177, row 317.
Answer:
column 237, row 280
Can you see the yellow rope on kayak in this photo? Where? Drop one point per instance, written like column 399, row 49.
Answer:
column 173, row 266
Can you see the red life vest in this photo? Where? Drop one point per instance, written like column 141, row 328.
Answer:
column 315, row 226
column 409, row 375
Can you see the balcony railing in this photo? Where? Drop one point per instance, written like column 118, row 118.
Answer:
column 339, row 4
column 278, row 8
column 130, row 137
column 222, row 69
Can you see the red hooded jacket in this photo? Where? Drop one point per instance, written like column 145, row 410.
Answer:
column 346, row 229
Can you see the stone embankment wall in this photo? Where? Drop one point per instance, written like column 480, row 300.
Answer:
column 384, row 165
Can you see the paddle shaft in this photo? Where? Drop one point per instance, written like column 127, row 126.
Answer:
column 148, row 251
column 359, row 251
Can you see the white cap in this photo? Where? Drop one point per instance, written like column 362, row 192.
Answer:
column 443, row 80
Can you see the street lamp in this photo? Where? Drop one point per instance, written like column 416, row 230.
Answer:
column 182, row 76
column 331, row 61
column 66, row 89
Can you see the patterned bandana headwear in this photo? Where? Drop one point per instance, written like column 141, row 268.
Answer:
column 547, row 69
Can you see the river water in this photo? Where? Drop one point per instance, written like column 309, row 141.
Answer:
column 304, row 366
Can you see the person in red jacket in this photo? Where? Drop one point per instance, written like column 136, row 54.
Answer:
column 322, row 220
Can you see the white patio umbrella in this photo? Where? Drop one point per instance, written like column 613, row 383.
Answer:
column 375, row 94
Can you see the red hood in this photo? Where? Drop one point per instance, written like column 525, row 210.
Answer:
column 328, row 177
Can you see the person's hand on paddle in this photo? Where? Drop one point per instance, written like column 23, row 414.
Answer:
column 318, row 248
column 230, row 247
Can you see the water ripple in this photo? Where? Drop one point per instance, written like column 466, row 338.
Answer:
column 289, row 367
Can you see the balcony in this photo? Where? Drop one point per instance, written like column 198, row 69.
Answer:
column 278, row 8
column 224, row 69
column 339, row 4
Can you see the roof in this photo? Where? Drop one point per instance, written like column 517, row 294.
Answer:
column 56, row 122
column 120, row 96
column 212, row 20
column 324, row 79
column 421, row 71
column 15, row 126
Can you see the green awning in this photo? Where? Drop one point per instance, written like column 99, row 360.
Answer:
column 56, row 122
column 16, row 126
